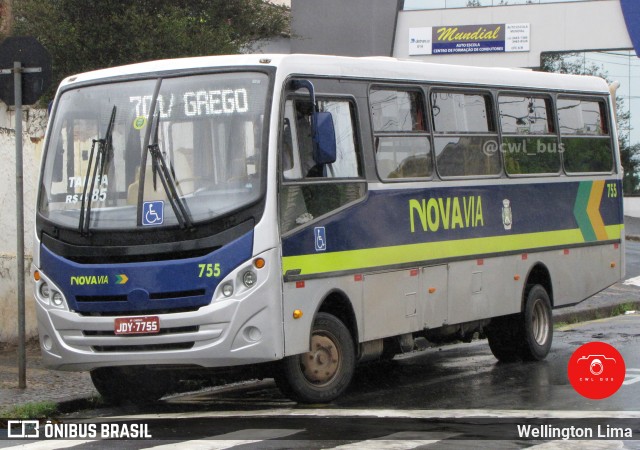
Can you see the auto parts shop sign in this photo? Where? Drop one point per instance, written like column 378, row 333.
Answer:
column 452, row 39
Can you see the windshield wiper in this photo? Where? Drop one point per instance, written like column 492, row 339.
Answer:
column 93, row 169
column 160, row 169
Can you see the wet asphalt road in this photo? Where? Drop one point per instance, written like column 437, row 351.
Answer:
column 461, row 376
column 455, row 396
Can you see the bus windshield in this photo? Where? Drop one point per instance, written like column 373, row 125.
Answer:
column 154, row 152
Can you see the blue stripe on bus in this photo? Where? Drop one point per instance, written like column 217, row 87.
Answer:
column 396, row 217
column 144, row 286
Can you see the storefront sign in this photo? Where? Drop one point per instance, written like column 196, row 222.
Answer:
column 452, row 39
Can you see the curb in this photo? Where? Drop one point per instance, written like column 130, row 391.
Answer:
column 601, row 312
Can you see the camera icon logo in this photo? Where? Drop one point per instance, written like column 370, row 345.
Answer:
column 596, row 364
column 596, row 370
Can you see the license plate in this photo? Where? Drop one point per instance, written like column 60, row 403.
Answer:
column 137, row 325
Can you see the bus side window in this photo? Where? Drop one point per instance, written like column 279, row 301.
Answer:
column 402, row 145
column 529, row 140
column 466, row 140
column 584, row 134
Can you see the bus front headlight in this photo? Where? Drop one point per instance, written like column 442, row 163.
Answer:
column 249, row 278
column 45, row 292
column 227, row 289
column 57, row 299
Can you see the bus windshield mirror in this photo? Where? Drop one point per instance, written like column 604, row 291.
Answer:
column 95, row 168
column 168, row 183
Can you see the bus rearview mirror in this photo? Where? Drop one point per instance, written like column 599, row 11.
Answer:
column 324, row 138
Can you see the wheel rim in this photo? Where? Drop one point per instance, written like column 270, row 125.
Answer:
column 323, row 362
column 540, row 322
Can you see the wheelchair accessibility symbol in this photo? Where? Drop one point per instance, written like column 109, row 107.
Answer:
column 320, row 239
column 153, row 213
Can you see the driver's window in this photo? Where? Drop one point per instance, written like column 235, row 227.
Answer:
column 297, row 153
column 310, row 190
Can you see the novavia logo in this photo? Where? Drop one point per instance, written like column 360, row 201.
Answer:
column 89, row 280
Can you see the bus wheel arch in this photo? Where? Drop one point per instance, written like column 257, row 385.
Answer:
column 323, row 373
column 526, row 335
column 337, row 304
column 538, row 274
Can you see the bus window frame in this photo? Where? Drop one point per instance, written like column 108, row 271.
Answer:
column 492, row 119
column 283, row 182
column 427, row 133
column 358, row 144
column 548, row 95
column 604, row 106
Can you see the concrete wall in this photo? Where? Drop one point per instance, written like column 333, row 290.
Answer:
column 347, row 28
column 34, row 124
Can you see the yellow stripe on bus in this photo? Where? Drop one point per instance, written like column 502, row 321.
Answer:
column 593, row 210
column 318, row 263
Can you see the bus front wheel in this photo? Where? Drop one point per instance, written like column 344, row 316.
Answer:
column 137, row 385
column 527, row 335
column 323, row 373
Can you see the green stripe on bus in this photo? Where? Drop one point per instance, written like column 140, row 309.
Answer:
column 318, row 263
column 580, row 211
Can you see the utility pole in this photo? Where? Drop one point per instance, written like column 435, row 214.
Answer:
column 25, row 73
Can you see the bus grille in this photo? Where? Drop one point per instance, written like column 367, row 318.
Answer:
column 136, row 313
column 142, row 348
column 157, row 303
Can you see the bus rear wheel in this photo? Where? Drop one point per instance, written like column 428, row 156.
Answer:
column 527, row 335
column 538, row 325
column 137, row 385
column 323, row 373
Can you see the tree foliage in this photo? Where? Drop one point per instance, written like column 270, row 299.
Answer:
column 85, row 35
column 629, row 154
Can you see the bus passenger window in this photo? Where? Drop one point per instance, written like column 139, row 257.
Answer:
column 585, row 137
column 402, row 145
column 529, row 142
column 465, row 138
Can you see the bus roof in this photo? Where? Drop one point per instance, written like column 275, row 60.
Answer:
column 376, row 68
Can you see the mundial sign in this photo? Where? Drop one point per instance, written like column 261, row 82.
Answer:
column 455, row 39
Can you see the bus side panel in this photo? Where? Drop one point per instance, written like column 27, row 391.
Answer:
column 390, row 303
column 578, row 273
column 433, row 307
column 492, row 287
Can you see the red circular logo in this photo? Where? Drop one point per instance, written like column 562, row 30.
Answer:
column 596, row 370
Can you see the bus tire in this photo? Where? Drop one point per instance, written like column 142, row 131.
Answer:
column 138, row 385
column 538, row 325
column 322, row 374
column 505, row 337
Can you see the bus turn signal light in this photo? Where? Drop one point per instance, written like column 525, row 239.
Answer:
column 259, row 263
column 297, row 314
column 36, row 275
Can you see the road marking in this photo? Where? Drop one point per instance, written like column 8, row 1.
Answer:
column 229, row 440
column 392, row 413
column 635, row 281
column 47, row 445
column 632, row 376
column 404, row 440
column 579, row 445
